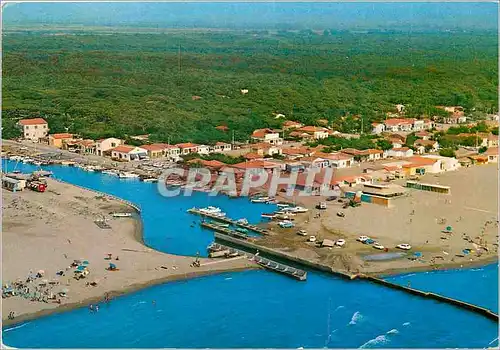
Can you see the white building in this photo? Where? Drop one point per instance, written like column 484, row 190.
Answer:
column 267, row 135
column 128, row 153
column 34, row 129
column 402, row 152
column 106, row 145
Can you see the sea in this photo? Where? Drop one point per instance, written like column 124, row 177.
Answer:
column 257, row 308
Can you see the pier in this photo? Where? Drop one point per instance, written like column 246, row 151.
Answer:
column 229, row 221
column 225, row 231
column 254, row 247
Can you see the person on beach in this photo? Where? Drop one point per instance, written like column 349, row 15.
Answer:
column 91, row 308
column 96, row 308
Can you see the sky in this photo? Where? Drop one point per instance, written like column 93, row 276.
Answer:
column 268, row 15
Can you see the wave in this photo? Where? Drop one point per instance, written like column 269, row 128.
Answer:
column 339, row 307
column 356, row 317
column 16, row 327
column 406, row 324
column 381, row 339
column 228, row 278
column 393, row 331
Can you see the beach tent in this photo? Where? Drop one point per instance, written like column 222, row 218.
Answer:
column 85, row 262
column 80, row 268
column 417, row 254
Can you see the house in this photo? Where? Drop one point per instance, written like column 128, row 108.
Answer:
column 447, row 163
column 267, row 135
column 172, row 152
column 316, row 132
column 211, row 164
column 103, row 146
column 402, row 152
column 294, row 166
column 59, row 140
column 378, row 128
column 290, row 124
column 34, row 129
column 364, row 155
column 451, row 109
column 187, row 148
column 127, row 153
column 253, row 156
column 399, row 124
column 337, row 160
column 428, row 145
column 400, row 108
column 82, row 146
column 301, row 135
column 222, row 128
column 221, row 147
column 424, row 135
column 155, row 150
column 492, row 154
column 492, row 140
column 296, row 152
column 315, row 162
column 266, row 149
column 244, row 91
column 257, row 166
column 204, row 149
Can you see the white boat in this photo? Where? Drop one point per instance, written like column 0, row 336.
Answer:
column 378, row 246
column 281, row 205
column 242, row 221
column 152, row 179
column 211, row 210
column 126, row 175
column 299, row 210
column 18, row 158
column 121, row 215
column 260, row 200
column 69, row 163
column 286, row 224
column 269, row 216
column 363, row 239
column 110, row 172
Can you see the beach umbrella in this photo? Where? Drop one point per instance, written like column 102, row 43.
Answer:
column 418, row 254
column 85, row 262
column 81, row 268
column 112, row 266
column 41, row 272
column 448, row 228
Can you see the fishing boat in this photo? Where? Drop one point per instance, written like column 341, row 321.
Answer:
column 241, row 230
column 269, row 215
column 121, row 215
column 151, row 179
column 299, row 210
column 242, row 221
column 42, row 173
column 110, row 172
column 68, row 163
column 220, row 224
column 286, row 224
column 283, row 205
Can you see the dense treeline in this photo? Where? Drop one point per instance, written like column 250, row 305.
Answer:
column 120, row 84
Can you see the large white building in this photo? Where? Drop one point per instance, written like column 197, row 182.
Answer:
column 34, row 129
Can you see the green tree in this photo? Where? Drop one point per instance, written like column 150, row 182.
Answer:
column 447, row 152
column 384, row 145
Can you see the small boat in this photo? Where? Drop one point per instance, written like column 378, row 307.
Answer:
column 68, row 163
column 110, row 172
column 286, row 224
column 126, row 175
column 241, row 230
column 242, row 221
column 121, row 215
column 42, row 173
column 269, row 215
column 220, row 224
column 299, row 210
column 151, row 179
column 283, row 205
column 259, row 200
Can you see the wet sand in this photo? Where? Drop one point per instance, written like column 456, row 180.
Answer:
column 473, row 202
column 47, row 231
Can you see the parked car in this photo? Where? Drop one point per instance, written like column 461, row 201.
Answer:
column 363, row 239
column 312, row 239
column 379, row 246
column 340, row 242
column 404, row 246
column 302, row 233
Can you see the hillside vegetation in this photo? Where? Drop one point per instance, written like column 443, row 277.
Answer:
column 103, row 84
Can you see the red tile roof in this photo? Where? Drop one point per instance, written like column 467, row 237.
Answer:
column 222, row 144
column 123, row 149
column 252, row 155
column 154, row 147
column 187, row 145
column 398, row 121
column 256, row 164
column 401, row 149
column 291, row 123
column 222, row 128
column 61, row 136
column 208, row 163
column 34, row 121
column 261, row 133
column 492, row 151
column 312, row 129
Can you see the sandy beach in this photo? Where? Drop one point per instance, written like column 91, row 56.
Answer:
column 417, row 219
column 48, row 231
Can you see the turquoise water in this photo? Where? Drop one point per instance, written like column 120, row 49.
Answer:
column 258, row 308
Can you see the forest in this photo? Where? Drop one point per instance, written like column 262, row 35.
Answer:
column 179, row 85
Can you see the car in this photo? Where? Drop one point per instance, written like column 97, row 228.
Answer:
column 302, row 233
column 363, row 239
column 379, row 246
column 369, row 241
column 312, row 239
column 404, row 246
column 340, row 242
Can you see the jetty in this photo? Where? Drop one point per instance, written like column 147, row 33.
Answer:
column 253, row 247
column 220, row 250
column 230, row 221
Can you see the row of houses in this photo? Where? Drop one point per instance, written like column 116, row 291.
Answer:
column 402, row 124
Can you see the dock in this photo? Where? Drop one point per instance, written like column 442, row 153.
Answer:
column 229, row 221
column 225, row 231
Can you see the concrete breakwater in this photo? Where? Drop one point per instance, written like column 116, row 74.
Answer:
column 328, row 269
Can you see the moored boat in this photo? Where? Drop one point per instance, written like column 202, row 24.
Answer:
column 269, row 215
